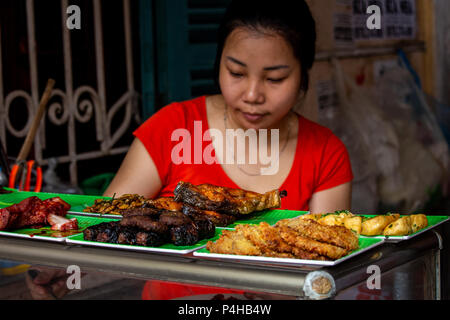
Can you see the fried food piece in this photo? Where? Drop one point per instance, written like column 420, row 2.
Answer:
column 290, row 238
column 165, row 203
column 312, row 216
column 307, row 244
column 306, row 255
column 233, row 242
column 418, row 222
column 400, row 227
column 266, row 239
column 331, row 220
column 226, row 200
column 261, row 240
column 269, row 240
column 346, row 219
column 335, row 235
column 376, row 225
column 354, row 224
column 335, row 219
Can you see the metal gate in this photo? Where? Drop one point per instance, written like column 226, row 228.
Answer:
column 73, row 105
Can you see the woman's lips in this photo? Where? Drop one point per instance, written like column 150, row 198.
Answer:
column 252, row 117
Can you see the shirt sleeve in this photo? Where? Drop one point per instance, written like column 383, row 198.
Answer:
column 155, row 134
column 335, row 166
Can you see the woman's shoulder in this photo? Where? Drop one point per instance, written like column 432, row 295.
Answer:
column 314, row 130
column 316, row 138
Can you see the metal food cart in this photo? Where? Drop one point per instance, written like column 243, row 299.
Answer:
column 407, row 270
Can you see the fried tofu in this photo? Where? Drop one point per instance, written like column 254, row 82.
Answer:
column 376, row 225
column 418, row 222
column 400, row 227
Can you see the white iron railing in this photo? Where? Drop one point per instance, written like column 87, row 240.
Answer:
column 71, row 108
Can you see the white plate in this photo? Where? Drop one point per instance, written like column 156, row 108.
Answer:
column 131, row 247
column 34, row 237
column 285, row 261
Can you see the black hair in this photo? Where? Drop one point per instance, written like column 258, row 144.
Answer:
column 292, row 19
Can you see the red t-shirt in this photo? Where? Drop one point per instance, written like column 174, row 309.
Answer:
column 321, row 159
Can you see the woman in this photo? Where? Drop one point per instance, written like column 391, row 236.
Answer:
column 265, row 52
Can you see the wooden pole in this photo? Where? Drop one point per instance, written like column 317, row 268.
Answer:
column 426, row 29
column 36, row 121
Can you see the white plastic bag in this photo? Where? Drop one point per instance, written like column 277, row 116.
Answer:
column 424, row 154
column 367, row 136
column 370, row 139
column 375, row 129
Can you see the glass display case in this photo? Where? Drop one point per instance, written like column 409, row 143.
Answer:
column 406, row 270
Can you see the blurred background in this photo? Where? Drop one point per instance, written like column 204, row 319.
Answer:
column 384, row 92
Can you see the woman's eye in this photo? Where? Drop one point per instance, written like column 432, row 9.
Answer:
column 236, row 74
column 275, row 80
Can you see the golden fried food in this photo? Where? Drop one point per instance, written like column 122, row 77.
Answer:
column 354, row 224
column 307, row 255
column 331, row 220
column 323, row 249
column 418, row 222
column 335, row 219
column 226, row 200
column 335, row 235
column 266, row 239
column 375, row 226
column 233, row 242
column 259, row 240
column 343, row 218
column 312, row 216
column 284, row 241
column 165, row 203
column 400, row 227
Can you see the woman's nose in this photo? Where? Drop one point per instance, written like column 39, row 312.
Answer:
column 254, row 93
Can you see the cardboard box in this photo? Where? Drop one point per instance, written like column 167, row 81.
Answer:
column 342, row 24
column 322, row 92
column 333, row 23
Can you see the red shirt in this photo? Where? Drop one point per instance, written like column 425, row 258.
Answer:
column 321, row 159
column 321, row 162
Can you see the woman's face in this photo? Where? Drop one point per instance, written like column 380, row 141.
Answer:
column 259, row 78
